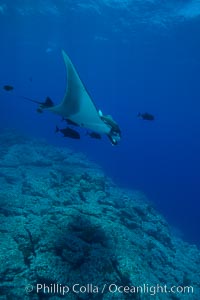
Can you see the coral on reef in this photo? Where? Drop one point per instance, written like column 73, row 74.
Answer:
column 64, row 222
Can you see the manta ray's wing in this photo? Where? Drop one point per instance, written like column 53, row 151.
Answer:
column 77, row 105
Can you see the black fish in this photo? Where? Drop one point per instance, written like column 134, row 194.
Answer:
column 146, row 116
column 8, row 88
column 94, row 135
column 69, row 132
column 70, row 122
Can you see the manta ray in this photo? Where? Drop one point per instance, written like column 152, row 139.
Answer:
column 78, row 108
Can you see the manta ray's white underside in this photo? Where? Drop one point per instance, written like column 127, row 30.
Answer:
column 77, row 105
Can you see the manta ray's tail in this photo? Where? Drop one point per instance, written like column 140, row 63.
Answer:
column 42, row 105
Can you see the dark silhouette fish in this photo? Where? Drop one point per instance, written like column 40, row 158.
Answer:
column 69, row 122
column 69, row 132
column 8, row 88
column 94, row 135
column 146, row 116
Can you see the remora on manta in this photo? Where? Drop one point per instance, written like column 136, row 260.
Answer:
column 78, row 107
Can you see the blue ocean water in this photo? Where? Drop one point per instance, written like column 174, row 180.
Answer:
column 133, row 56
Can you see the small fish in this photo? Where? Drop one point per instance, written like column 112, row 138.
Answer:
column 94, row 135
column 8, row 88
column 68, row 132
column 146, row 116
column 70, row 122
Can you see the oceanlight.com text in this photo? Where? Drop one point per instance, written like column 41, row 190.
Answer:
column 152, row 290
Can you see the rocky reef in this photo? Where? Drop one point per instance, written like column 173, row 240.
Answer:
column 67, row 231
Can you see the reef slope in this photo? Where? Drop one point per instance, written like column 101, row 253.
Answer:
column 64, row 222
